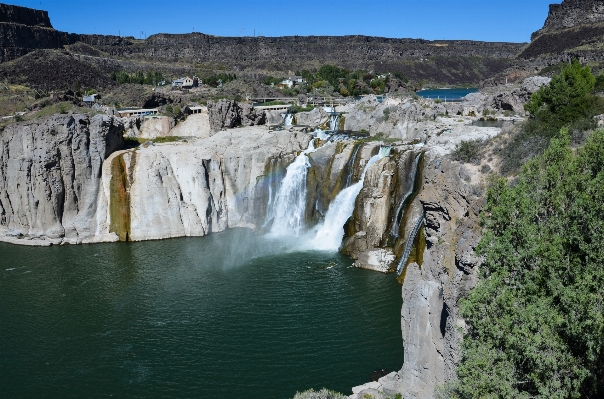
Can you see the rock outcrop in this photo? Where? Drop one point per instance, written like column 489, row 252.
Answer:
column 24, row 16
column 431, row 290
column 515, row 99
column 440, row 271
column 227, row 114
column 148, row 128
column 315, row 118
column 570, row 14
column 197, row 125
column 384, row 212
column 573, row 29
column 50, row 173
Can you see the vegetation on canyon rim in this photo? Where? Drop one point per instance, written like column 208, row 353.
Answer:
column 536, row 319
column 568, row 101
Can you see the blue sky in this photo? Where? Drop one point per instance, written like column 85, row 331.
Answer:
column 488, row 20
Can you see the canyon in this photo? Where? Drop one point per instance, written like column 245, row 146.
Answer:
column 414, row 211
column 66, row 179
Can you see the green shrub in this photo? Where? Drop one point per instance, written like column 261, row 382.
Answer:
column 536, row 318
column 568, row 102
column 322, row 394
column 271, row 80
column 599, row 84
column 386, row 113
column 467, row 151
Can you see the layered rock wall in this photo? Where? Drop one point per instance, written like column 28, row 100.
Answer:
column 441, row 269
column 24, row 16
column 50, row 173
column 570, row 14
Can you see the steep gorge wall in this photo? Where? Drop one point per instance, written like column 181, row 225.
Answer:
column 24, row 16
column 571, row 13
column 50, row 170
column 573, row 29
column 441, row 271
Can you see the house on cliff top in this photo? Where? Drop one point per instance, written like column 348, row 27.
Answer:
column 291, row 82
column 186, row 83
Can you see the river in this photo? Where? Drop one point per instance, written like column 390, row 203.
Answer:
column 230, row 315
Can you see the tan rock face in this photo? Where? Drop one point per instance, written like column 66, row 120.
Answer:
column 441, row 269
column 384, row 212
column 196, row 188
column 197, row 125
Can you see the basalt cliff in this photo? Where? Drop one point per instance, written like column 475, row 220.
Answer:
column 24, row 30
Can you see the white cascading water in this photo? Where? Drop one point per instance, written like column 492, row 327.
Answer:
column 334, row 120
column 329, row 234
column 398, row 216
column 288, row 209
column 287, row 119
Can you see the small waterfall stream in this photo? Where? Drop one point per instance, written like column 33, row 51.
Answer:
column 287, row 119
column 349, row 168
column 334, row 120
column 329, row 234
column 288, row 208
column 398, row 216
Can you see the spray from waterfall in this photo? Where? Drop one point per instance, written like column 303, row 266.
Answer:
column 289, row 207
column 329, row 234
column 275, row 176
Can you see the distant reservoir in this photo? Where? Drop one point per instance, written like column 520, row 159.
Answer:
column 446, row 94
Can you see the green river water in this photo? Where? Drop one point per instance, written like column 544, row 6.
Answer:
column 232, row 315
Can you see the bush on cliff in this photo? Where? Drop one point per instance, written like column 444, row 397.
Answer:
column 568, row 101
column 322, row 394
column 536, row 318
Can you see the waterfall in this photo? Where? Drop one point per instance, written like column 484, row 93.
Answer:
column 320, row 134
column 349, row 167
column 275, row 175
column 334, row 119
column 398, row 216
column 289, row 206
column 287, row 119
column 329, row 234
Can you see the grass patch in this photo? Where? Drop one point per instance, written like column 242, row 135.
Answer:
column 377, row 137
column 133, row 142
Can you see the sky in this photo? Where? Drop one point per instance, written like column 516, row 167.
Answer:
column 485, row 20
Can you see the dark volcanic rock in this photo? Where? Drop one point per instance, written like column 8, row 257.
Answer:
column 224, row 114
column 570, row 14
column 454, row 61
column 573, row 29
column 53, row 69
column 24, row 16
